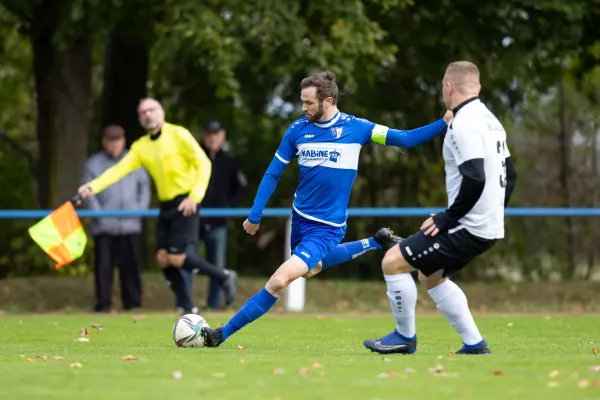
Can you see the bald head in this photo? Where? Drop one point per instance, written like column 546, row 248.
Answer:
column 151, row 114
column 461, row 81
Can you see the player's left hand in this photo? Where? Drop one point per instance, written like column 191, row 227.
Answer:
column 448, row 117
column 187, row 207
column 429, row 225
column 250, row 228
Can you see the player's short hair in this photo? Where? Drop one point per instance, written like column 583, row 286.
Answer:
column 463, row 74
column 325, row 84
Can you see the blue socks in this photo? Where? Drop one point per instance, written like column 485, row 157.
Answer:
column 254, row 308
column 348, row 251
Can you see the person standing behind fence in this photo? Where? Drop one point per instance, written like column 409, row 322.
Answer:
column 225, row 189
column 117, row 240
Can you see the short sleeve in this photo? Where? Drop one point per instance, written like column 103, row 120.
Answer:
column 364, row 130
column 287, row 148
column 466, row 143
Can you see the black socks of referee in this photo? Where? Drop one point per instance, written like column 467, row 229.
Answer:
column 174, row 277
column 200, row 266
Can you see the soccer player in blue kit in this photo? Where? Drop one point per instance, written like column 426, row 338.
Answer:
column 327, row 144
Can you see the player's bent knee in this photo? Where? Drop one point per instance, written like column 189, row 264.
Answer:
column 162, row 257
column 393, row 262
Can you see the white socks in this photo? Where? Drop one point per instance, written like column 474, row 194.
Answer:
column 402, row 294
column 452, row 302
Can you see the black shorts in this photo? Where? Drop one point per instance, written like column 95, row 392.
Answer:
column 450, row 250
column 174, row 231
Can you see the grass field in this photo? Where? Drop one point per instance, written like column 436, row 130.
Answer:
column 296, row 357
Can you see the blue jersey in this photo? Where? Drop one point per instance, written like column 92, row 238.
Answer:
column 327, row 153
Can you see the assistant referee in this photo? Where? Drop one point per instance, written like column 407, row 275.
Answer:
column 181, row 172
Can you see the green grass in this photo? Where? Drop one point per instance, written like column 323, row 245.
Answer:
column 525, row 353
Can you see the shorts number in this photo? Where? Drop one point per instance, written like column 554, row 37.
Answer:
column 502, row 146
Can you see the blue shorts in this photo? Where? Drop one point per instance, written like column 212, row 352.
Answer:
column 312, row 240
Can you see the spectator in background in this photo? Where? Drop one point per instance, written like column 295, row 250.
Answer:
column 117, row 240
column 225, row 189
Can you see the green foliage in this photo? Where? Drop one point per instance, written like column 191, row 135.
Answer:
column 241, row 61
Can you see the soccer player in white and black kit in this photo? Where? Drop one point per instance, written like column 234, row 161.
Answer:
column 480, row 178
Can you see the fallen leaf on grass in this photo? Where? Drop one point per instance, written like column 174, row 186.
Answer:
column 385, row 359
column 28, row 359
column 594, row 351
column 596, row 383
column 583, row 384
column 97, row 326
column 303, row 372
column 240, row 347
column 552, row 384
column 451, row 353
column 243, row 361
column 498, row 372
column 594, row 368
column 219, row 374
column 391, row 374
column 510, row 325
column 409, row 371
column 435, row 370
column 316, row 364
column 57, row 358
column 84, row 332
column 553, row 374
column 75, row 365
column 65, row 333
column 129, row 358
column 278, row 371
column 20, row 332
column 43, row 356
column 177, row 375
column 82, row 339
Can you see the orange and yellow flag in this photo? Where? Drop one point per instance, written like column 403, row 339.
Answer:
column 60, row 235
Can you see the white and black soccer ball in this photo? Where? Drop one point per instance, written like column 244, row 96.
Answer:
column 186, row 331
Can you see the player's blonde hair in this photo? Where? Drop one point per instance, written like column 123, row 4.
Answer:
column 464, row 76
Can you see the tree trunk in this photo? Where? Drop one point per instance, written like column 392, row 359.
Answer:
column 565, row 166
column 63, row 85
column 125, row 76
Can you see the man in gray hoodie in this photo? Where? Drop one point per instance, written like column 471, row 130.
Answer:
column 117, row 240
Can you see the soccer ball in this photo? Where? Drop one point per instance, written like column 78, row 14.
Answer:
column 186, row 331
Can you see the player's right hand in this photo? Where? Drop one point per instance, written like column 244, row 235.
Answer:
column 84, row 191
column 250, row 228
column 448, row 117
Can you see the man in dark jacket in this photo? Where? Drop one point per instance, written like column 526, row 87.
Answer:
column 225, row 189
column 117, row 240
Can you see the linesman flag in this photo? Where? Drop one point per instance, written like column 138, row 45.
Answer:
column 60, row 235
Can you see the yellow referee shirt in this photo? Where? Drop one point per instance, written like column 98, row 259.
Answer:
column 174, row 159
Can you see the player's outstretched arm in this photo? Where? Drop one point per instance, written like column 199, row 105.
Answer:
column 128, row 164
column 266, row 188
column 410, row 138
column 511, row 180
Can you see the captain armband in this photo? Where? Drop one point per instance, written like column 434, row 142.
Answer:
column 379, row 134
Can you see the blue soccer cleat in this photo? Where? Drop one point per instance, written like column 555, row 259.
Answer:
column 392, row 343
column 479, row 348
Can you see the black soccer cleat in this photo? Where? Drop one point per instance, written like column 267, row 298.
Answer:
column 392, row 343
column 479, row 348
column 230, row 287
column 212, row 337
column 386, row 238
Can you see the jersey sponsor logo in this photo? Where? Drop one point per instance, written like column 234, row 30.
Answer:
column 332, row 155
column 365, row 243
column 336, row 132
